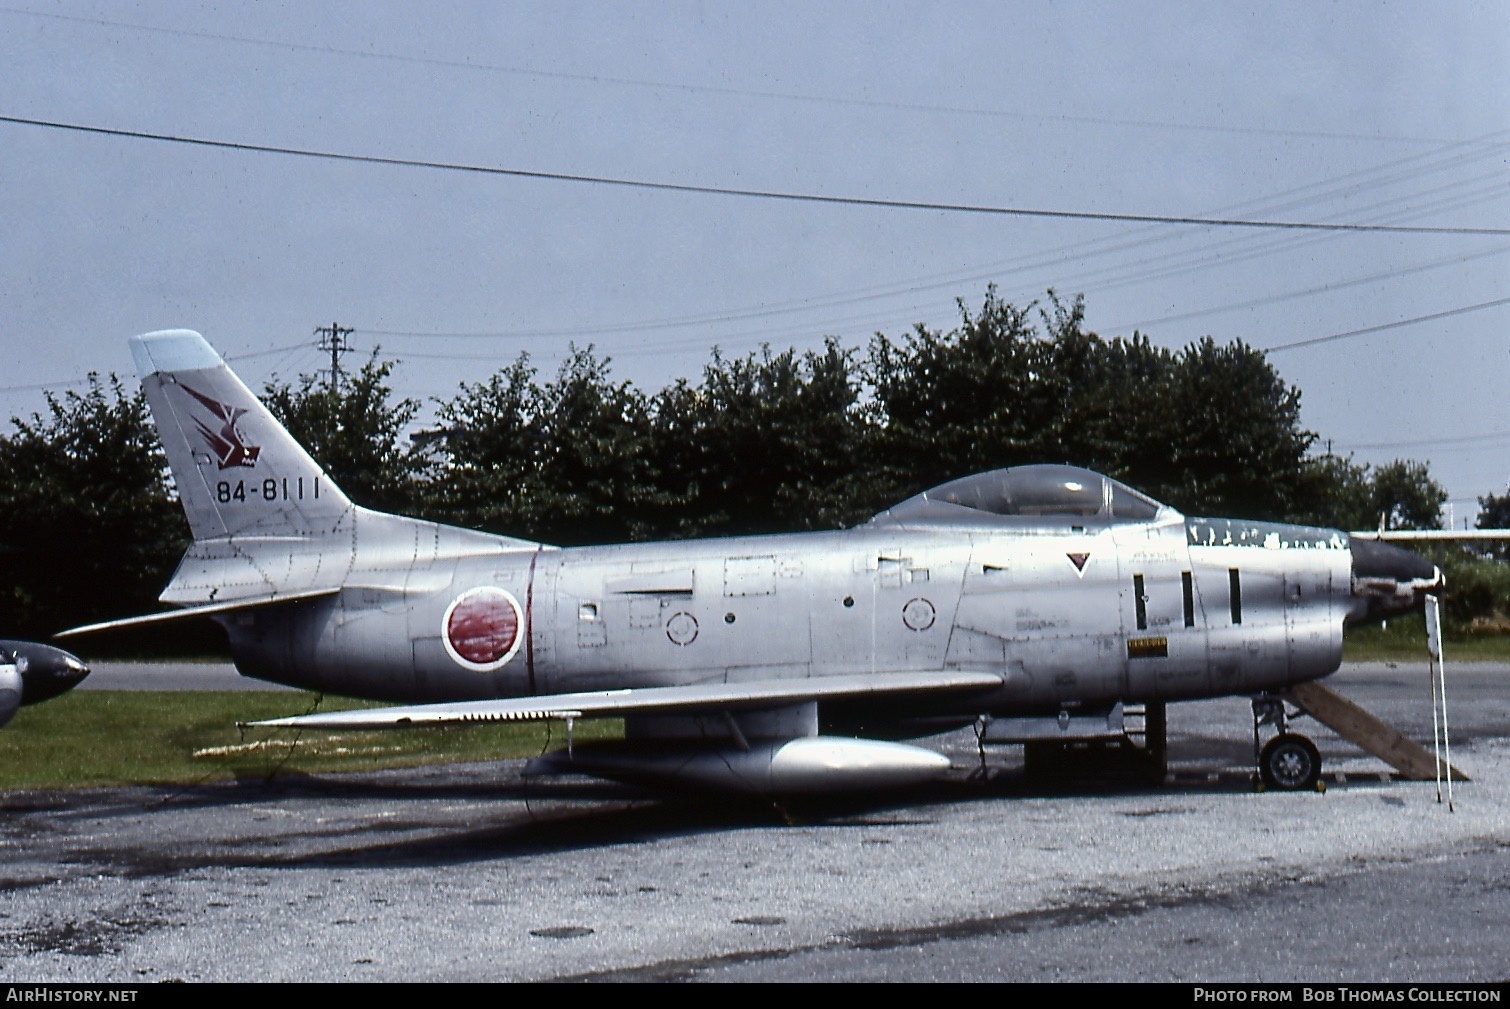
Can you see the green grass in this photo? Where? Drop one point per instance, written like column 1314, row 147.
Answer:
column 130, row 737
column 1405, row 639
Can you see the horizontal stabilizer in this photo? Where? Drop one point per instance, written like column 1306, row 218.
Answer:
column 645, row 700
column 190, row 612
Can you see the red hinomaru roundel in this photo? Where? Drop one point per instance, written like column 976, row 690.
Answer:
column 481, row 628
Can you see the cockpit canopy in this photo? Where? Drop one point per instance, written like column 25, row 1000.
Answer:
column 1044, row 493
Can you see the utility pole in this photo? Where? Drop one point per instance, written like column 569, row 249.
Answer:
column 332, row 340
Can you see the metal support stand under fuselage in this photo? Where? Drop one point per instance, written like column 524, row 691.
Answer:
column 1125, row 739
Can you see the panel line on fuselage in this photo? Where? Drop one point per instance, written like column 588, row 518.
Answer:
column 529, row 623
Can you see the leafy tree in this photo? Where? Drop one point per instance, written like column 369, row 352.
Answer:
column 1335, row 492
column 88, row 529
column 355, row 432
column 967, row 400
column 769, row 442
column 1494, row 511
column 1228, row 428
column 1405, row 496
column 1348, row 495
column 1478, row 588
column 597, row 480
column 568, row 462
column 1211, row 428
column 489, row 447
column 1108, row 388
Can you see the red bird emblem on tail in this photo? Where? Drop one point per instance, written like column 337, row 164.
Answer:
column 226, row 443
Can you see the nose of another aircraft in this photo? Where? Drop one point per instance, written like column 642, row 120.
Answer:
column 45, row 671
column 30, row 672
column 1388, row 580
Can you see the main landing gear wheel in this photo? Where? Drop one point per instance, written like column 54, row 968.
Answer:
column 1290, row 762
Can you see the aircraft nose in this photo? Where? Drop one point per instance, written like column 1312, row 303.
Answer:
column 1388, row 580
column 45, row 671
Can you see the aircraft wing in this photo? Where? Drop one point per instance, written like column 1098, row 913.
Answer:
column 1426, row 535
column 643, row 700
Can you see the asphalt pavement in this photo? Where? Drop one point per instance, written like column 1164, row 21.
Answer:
column 471, row 873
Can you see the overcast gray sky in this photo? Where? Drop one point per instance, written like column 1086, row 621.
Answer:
column 1360, row 113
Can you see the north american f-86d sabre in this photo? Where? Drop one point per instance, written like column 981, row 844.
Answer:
column 1039, row 604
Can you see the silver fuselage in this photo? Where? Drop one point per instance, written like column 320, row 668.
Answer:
column 1069, row 613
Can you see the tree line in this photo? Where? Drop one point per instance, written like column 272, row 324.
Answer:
column 773, row 441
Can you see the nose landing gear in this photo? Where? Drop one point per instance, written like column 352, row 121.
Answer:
column 1289, row 762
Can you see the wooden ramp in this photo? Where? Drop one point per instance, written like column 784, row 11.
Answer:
column 1348, row 720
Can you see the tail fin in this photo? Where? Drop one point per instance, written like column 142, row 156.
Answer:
column 269, row 525
column 237, row 470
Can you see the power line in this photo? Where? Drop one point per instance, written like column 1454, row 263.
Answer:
column 786, row 96
column 43, row 386
column 1493, row 436
column 759, row 194
column 69, row 383
column 1273, row 299
column 1185, row 260
column 1388, row 325
column 269, row 352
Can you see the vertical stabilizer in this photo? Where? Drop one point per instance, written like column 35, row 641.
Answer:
column 237, row 470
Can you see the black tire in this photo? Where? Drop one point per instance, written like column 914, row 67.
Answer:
column 1290, row 762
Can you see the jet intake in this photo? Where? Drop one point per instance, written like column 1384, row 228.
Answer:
column 1389, row 580
column 805, row 766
